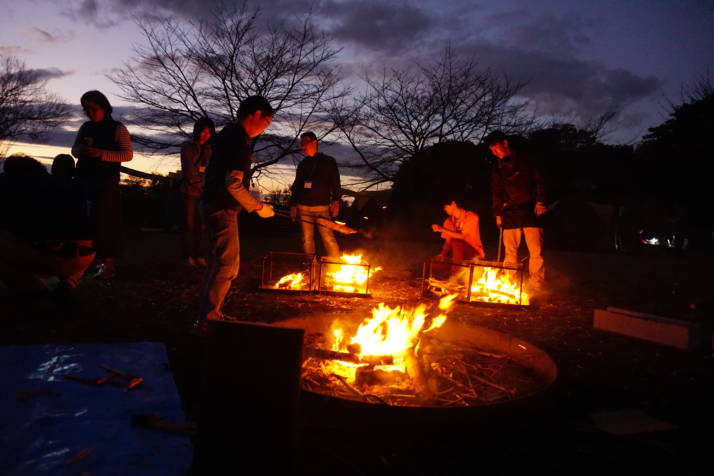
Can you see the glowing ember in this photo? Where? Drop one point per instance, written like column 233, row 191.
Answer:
column 294, row 281
column 387, row 341
column 350, row 277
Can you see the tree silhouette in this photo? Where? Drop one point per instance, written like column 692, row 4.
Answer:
column 407, row 110
column 205, row 68
column 26, row 108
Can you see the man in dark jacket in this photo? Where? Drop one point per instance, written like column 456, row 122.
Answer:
column 518, row 200
column 225, row 194
column 316, row 193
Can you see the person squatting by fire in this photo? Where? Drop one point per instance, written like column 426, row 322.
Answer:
column 460, row 231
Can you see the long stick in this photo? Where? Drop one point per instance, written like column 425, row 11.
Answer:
column 324, row 222
column 500, row 242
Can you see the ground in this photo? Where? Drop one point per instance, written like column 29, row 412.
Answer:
column 155, row 299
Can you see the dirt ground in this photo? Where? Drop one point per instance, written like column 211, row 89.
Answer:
column 602, row 377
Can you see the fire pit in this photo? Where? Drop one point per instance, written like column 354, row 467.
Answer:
column 445, row 367
column 286, row 271
column 485, row 282
column 348, row 275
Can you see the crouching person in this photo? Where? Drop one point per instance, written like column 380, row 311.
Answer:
column 461, row 234
column 42, row 231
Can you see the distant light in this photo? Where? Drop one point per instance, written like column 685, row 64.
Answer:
column 384, row 207
column 366, row 218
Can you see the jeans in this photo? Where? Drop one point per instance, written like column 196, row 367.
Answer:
column 223, row 261
column 307, row 215
column 534, row 242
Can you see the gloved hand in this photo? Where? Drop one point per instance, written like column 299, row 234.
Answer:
column 334, row 208
column 293, row 213
column 540, row 209
column 499, row 222
column 265, row 211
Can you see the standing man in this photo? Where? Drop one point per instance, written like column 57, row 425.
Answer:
column 224, row 195
column 518, row 200
column 316, row 193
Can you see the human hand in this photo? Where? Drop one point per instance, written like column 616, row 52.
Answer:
column 540, row 209
column 436, row 228
column 499, row 222
column 93, row 152
column 293, row 213
column 439, row 257
column 265, row 211
column 335, row 208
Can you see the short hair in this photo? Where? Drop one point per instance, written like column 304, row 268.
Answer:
column 252, row 104
column 309, row 134
column 20, row 165
column 494, row 138
column 97, row 98
column 201, row 124
column 63, row 164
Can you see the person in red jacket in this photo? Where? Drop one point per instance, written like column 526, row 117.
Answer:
column 460, row 231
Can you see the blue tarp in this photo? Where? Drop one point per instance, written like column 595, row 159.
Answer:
column 47, row 420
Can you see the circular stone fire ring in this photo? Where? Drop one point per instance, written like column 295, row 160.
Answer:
column 537, row 373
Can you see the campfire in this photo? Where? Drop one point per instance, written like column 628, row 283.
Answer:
column 399, row 357
column 483, row 281
column 350, row 274
column 286, row 271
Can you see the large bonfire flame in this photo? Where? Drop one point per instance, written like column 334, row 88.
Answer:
column 495, row 285
column 384, row 348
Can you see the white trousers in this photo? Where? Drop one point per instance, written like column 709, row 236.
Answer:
column 534, row 242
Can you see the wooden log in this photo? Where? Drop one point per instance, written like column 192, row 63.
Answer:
column 416, row 372
column 325, row 354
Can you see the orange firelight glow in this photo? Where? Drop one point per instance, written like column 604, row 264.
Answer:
column 389, row 332
column 294, row 281
column 350, row 277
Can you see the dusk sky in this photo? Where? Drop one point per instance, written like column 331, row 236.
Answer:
column 579, row 57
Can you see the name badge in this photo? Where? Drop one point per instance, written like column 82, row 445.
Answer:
column 308, row 184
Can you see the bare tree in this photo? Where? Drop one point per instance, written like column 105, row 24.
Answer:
column 406, row 110
column 26, row 108
column 205, row 68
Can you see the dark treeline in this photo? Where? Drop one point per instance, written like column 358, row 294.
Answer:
column 662, row 184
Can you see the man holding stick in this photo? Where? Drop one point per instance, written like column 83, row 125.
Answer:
column 316, row 194
column 224, row 195
column 518, row 194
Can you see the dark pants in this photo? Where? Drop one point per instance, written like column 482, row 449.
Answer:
column 103, row 207
column 223, row 261
column 192, row 236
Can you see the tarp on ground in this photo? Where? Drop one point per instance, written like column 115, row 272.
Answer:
column 53, row 425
